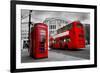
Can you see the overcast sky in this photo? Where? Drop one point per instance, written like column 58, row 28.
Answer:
column 40, row 16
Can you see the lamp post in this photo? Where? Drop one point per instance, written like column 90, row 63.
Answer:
column 30, row 11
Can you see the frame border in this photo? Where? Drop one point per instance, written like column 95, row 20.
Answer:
column 13, row 35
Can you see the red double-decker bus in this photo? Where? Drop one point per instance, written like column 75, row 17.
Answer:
column 71, row 36
column 39, row 41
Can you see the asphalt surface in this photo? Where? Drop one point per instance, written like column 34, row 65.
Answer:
column 58, row 55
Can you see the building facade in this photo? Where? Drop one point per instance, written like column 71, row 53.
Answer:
column 54, row 24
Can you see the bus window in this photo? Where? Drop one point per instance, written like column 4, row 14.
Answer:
column 63, row 29
column 54, row 41
column 79, row 25
column 67, row 39
column 69, row 26
column 64, row 40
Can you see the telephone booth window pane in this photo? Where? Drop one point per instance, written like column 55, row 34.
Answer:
column 42, row 40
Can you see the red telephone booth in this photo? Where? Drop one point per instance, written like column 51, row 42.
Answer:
column 39, row 41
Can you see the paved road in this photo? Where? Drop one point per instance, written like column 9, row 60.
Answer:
column 81, row 53
column 58, row 55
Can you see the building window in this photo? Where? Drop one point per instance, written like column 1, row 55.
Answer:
column 55, row 26
column 51, row 26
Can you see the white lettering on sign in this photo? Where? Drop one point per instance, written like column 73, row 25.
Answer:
column 61, row 34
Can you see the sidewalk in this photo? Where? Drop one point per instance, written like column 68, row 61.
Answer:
column 58, row 55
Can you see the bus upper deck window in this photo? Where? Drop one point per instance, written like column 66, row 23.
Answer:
column 79, row 25
column 69, row 26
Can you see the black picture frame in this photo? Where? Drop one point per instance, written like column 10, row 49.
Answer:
column 13, row 35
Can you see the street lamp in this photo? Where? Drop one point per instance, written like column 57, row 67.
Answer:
column 30, row 12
